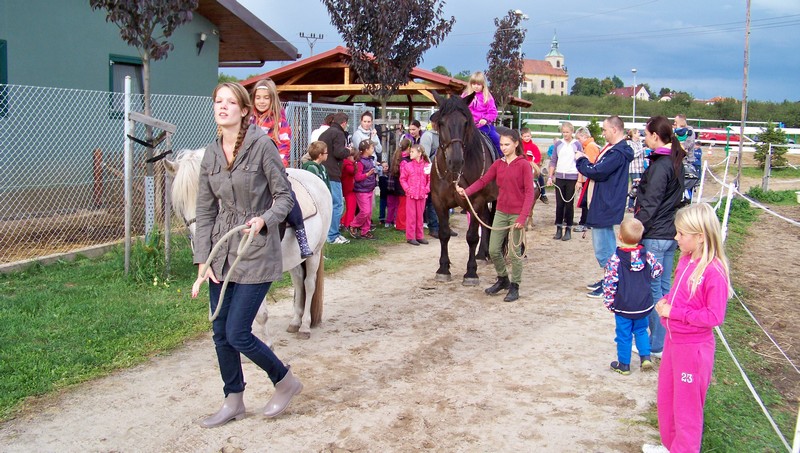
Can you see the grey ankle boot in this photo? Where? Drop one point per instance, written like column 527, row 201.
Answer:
column 232, row 409
column 567, row 234
column 288, row 387
column 559, row 231
column 513, row 293
column 302, row 241
column 501, row 284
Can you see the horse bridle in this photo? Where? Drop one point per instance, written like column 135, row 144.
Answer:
column 443, row 151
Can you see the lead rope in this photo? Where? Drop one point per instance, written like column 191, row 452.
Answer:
column 243, row 244
column 523, row 237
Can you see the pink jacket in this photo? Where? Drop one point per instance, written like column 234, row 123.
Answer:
column 483, row 110
column 692, row 319
column 414, row 180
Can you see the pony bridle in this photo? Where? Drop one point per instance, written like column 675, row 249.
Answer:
column 443, row 150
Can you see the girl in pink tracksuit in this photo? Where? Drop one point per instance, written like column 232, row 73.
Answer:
column 415, row 178
column 689, row 312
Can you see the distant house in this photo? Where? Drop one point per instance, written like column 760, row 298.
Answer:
column 627, row 92
column 67, row 45
column 548, row 76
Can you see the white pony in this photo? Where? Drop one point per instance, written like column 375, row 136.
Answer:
column 307, row 275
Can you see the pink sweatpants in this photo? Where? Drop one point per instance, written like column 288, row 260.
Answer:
column 363, row 219
column 683, row 379
column 414, row 218
column 392, row 201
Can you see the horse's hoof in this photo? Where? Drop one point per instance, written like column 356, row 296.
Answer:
column 292, row 329
column 443, row 278
column 471, row 281
column 304, row 335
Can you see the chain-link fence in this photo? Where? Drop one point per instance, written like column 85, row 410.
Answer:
column 61, row 165
column 61, row 162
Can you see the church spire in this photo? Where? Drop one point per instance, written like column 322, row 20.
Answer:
column 554, row 47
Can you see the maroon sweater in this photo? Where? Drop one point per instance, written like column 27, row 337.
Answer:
column 515, row 181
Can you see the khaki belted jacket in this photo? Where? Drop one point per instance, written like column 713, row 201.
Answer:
column 256, row 185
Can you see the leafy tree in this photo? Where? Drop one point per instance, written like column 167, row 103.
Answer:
column 664, row 91
column 463, row 75
column 223, row 78
column 387, row 38
column 441, row 70
column 618, row 83
column 147, row 25
column 505, row 58
column 682, row 99
column 607, row 85
column 583, row 86
column 771, row 136
column 596, row 131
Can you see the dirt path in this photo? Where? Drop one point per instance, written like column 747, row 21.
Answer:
column 400, row 363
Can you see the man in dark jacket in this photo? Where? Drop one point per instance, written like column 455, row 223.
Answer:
column 336, row 139
column 607, row 192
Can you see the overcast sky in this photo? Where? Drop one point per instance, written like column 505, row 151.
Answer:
column 694, row 46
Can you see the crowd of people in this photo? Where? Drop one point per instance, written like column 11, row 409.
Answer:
column 244, row 170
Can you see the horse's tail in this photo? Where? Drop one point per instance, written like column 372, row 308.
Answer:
column 319, row 292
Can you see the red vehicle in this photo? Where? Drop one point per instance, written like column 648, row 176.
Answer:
column 720, row 136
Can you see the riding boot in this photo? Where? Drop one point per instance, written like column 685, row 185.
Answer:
column 302, row 241
column 567, row 234
column 559, row 231
column 288, row 387
column 513, row 293
column 501, row 284
column 232, row 409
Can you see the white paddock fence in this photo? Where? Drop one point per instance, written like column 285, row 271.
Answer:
column 62, row 169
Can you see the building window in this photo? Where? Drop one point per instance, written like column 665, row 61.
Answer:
column 542, row 83
column 552, row 84
column 562, row 84
column 558, row 63
column 120, row 66
column 3, row 78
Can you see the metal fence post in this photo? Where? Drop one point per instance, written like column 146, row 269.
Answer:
column 767, row 169
column 128, row 158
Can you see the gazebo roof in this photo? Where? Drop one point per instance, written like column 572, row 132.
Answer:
column 329, row 78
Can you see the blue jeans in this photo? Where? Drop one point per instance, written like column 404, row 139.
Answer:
column 664, row 251
column 338, row 209
column 430, row 216
column 490, row 130
column 604, row 241
column 233, row 334
column 627, row 329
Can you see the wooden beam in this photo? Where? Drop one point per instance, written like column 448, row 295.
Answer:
column 357, row 87
column 427, row 94
column 346, row 76
column 295, row 78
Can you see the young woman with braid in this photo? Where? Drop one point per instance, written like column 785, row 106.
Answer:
column 242, row 181
column 270, row 117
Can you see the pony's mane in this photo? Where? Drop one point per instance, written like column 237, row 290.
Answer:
column 185, row 184
column 455, row 104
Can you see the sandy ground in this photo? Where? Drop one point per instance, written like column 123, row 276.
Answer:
column 400, row 363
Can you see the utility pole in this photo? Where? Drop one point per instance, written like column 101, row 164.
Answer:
column 744, row 92
column 311, row 39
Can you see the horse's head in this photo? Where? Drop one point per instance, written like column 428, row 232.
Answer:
column 456, row 129
column 185, row 171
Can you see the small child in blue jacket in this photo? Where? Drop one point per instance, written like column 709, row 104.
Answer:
column 626, row 293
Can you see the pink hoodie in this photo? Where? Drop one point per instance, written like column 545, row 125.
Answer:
column 414, row 180
column 692, row 319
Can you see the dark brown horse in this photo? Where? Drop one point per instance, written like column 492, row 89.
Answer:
column 462, row 158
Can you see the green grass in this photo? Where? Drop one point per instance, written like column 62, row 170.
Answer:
column 778, row 197
column 71, row 322
column 778, row 173
column 733, row 420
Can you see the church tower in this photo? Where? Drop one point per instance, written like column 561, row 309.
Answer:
column 554, row 57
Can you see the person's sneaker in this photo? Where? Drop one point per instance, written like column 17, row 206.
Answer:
column 647, row 364
column 620, row 368
column 543, row 197
column 340, row 240
column 413, row 242
column 388, row 225
column 595, row 285
column 355, row 233
column 422, row 241
column 657, row 354
column 650, row 448
column 368, row 235
column 579, row 229
column 596, row 294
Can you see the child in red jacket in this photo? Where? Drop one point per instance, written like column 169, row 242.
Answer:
column 348, row 181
